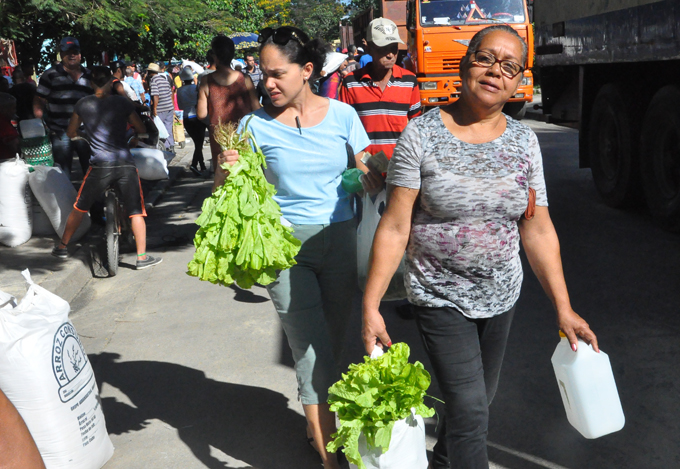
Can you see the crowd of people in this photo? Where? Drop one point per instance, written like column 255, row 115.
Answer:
column 459, row 187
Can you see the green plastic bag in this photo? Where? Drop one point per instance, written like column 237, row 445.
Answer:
column 351, row 180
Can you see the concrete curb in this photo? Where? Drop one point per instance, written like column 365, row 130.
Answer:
column 69, row 285
column 66, row 278
column 63, row 278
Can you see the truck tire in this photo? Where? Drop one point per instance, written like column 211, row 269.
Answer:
column 516, row 110
column 660, row 165
column 612, row 146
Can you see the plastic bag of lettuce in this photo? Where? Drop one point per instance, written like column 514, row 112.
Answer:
column 372, row 398
column 241, row 238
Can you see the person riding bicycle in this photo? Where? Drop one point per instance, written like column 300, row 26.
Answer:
column 105, row 116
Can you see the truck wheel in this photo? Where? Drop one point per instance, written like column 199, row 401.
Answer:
column 613, row 147
column 660, row 145
column 516, row 110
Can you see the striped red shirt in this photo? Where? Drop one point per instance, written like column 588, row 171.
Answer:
column 383, row 113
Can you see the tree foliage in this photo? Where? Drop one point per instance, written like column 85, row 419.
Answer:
column 318, row 18
column 276, row 12
column 148, row 30
column 140, row 29
column 357, row 6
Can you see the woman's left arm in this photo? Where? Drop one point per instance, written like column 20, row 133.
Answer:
column 543, row 252
column 252, row 94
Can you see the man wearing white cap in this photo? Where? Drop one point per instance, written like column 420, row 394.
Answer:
column 385, row 96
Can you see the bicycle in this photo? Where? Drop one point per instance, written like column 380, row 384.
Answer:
column 117, row 226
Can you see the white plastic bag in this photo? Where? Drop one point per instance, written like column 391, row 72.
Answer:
column 151, row 163
column 162, row 131
column 373, row 208
column 15, row 203
column 45, row 373
column 53, row 189
column 407, row 446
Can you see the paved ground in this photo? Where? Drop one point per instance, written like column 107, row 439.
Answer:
column 193, row 375
column 67, row 277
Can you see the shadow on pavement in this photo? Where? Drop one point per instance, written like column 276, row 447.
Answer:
column 239, row 420
column 247, row 296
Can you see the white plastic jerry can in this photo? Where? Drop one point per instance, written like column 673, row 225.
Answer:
column 588, row 389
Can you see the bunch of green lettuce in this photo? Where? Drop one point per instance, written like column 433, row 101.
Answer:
column 372, row 396
column 241, row 238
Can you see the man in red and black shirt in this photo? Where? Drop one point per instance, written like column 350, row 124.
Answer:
column 385, row 96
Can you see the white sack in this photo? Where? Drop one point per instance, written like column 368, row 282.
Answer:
column 333, row 62
column 15, row 203
column 372, row 211
column 407, row 447
column 42, row 226
column 162, row 131
column 45, row 373
column 151, row 163
column 194, row 66
column 53, row 189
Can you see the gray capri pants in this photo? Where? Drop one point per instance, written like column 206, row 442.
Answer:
column 314, row 302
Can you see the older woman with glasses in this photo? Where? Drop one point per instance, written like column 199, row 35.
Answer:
column 458, row 189
column 304, row 138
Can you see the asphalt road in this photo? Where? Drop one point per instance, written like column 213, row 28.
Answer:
column 193, row 375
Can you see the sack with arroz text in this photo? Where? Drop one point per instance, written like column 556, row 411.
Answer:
column 45, row 373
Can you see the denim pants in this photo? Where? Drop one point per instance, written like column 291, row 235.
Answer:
column 63, row 148
column 466, row 355
column 314, row 301
column 168, row 119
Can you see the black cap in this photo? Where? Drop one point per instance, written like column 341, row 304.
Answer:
column 69, row 43
column 118, row 64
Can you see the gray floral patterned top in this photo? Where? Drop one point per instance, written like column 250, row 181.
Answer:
column 463, row 251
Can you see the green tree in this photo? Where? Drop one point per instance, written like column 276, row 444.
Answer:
column 357, row 6
column 144, row 29
column 276, row 12
column 318, row 18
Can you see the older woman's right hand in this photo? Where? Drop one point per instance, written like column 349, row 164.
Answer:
column 229, row 157
column 374, row 331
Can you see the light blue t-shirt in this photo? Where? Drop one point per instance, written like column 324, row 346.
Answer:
column 306, row 165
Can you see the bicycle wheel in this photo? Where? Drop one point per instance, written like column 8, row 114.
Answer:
column 112, row 233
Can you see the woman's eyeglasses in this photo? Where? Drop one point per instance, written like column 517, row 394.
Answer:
column 280, row 36
column 485, row 59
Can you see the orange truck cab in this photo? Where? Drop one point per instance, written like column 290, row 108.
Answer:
column 438, row 34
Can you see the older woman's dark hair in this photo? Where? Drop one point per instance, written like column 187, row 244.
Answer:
column 223, row 49
column 313, row 51
column 477, row 40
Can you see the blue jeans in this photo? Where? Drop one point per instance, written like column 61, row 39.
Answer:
column 314, row 302
column 168, row 119
column 466, row 355
column 63, row 148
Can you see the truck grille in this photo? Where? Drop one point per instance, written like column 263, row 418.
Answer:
column 441, row 62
